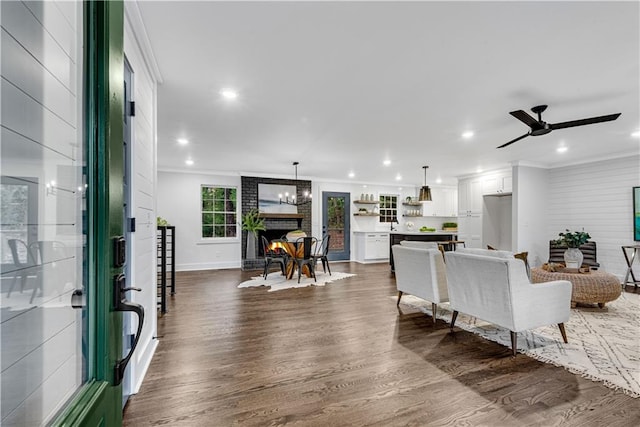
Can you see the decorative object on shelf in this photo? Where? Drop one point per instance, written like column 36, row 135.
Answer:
column 409, row 225
column 162, row 222
column 450, row 226
column 573, row 240
column 425, row 191
column 408, row 199
column 252, row 223
column 293, row 201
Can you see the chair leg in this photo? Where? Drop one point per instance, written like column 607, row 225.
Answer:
column 299, row 271
column 563, row 332
column 328, row 268
column 265, row 273
column 313, row 272
column 454, row 316
column 514, row 343
column 434, row 310
column 399, row 296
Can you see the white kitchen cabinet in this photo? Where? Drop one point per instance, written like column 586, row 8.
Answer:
column 372, row 247
column 444, row 203
column 469, row 196
column 470, row 230
column 500, row 183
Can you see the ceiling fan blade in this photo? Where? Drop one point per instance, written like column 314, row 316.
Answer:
column 524, row 117
column 583, row 122
column 514, row 140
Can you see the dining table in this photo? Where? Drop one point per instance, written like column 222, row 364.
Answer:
column 294, row 250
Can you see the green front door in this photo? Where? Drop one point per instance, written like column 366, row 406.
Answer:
column 98, row 402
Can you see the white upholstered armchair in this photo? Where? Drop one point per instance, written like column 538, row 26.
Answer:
column 421, row 273
column 495, row 288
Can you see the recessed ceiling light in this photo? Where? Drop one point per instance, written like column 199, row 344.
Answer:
column 399, row 188
column 188, row 162
column 351, row 174
column 398, row 177
column 229, row 94
column 364, row 186
column 438, row 181
column 562, row 149
column 636, row 134
column 182, row 141
column 386, row 162
column 468, row 134
column 479, row 170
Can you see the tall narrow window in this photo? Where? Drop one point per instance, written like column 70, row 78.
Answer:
column 388, row 207
column 219, row 211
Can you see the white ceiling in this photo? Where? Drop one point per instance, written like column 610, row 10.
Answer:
column 341, row 86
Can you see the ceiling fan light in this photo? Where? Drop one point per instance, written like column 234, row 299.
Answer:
column 425, row 194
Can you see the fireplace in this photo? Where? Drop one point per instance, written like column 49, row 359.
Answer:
column 270, row 234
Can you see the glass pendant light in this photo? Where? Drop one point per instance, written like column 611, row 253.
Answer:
column 425, row 191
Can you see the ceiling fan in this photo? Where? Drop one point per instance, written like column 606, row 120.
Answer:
column 539, row 127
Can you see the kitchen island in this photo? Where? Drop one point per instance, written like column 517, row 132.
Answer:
column 429, row 236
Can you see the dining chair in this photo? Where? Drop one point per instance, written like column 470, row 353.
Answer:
column 25, row 265
column 305, row 256
column 277, row 255
column 321, row 255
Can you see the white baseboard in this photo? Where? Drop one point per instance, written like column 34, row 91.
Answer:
column 143, row 364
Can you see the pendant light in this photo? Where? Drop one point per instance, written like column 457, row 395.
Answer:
column 425, row 191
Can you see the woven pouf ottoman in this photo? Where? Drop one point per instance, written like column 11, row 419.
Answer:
column 595, row 287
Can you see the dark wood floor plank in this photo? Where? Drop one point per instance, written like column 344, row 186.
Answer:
column 343, row 355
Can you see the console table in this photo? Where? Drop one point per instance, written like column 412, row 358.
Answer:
column 593, row 287
column 634, row 249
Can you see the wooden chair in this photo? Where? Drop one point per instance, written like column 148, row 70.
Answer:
column 305, row 257
column 273, row 255
column 556, row 254
column 322, row 254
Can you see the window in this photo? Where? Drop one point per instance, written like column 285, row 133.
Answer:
column 218, row 211
column 388, row 207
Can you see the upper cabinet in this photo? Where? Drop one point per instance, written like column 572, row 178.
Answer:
column 445, row 203
column 498, row 183
column 469, row 196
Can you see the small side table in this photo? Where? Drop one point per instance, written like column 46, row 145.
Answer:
column 633, row 249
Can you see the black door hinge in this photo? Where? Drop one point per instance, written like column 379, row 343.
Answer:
column 132, row 108
column 131, row 225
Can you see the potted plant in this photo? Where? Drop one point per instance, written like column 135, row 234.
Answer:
column 450, row 226
column 252, row 223
column 572, row 240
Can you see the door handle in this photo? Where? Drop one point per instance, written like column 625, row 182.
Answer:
column 121, row 304
column 77, row 299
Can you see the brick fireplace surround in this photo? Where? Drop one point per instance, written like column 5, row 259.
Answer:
column 276, row 227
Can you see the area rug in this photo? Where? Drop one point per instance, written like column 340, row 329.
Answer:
column 604, row 344
column 277, row 282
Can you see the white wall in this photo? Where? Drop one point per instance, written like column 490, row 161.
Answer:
column 597, row 197
column 142, row 258
column 529, row 213
column 179, row 203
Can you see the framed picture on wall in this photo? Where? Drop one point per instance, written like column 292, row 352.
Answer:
column 269, row 198
column 636, row 214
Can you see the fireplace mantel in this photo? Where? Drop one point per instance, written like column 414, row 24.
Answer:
column 285, row 216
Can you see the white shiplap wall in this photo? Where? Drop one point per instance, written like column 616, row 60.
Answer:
column 597, row 197
column 41, row 135
column 143, row 187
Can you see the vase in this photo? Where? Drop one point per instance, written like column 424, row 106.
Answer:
column 251, row 245
column 573, row 258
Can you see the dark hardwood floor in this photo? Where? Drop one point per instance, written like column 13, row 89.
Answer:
column 342, row 355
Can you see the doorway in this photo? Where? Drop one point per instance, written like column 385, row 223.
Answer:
column 335, row 222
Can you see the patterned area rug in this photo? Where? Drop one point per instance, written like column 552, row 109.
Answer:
column 278, row 282
column 604, row 344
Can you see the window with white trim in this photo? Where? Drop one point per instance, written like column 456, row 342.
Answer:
column 219, row 211
column 388, row 208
